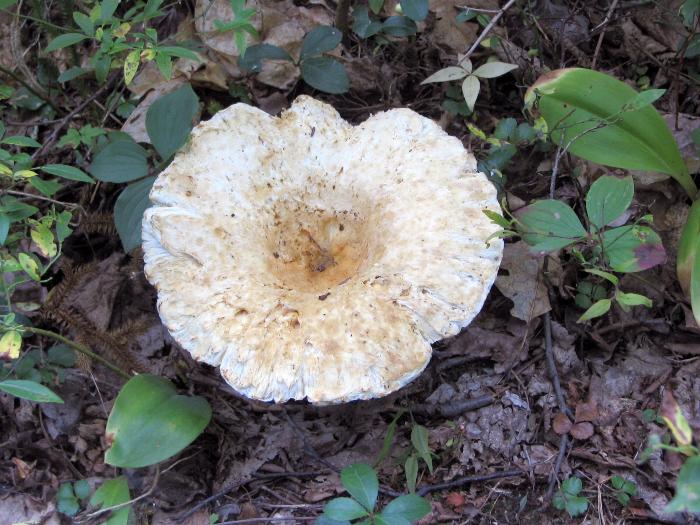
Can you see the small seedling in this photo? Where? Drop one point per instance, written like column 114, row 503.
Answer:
column 567, row 497
column 241, row 25
column 624, row 489
column 70, row 496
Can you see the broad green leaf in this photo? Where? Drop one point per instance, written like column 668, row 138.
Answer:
column 644, row 98
column 120, row 161
column 340, row 509
column 363, row 25
column 65, row 40
column 470, row 90
column 399, row 26
column 29, row 265
column 419, row 439
column 416, row 10
column 686, row 261
column 128, row 212
column 325, row 74
column 71, row 73
column 599, row 308
column 131, row 65
column 150, row 422
column 10, row 344
column 101, row 63
column 113, row 492
column 446, row 74
column 68, row 505
column 632, row 248
column 26, row 174
column 493, row 69
column 46, row 187
column 632, row 299
column 165, row 65
column 30, row 390
column 169, row 120
column 320, row 39
column 252, row 59
column 584, row 111
column 43, row 238
column 404, row 510
column 687, row 496
column 19, row 140
column 84, row 22
column 411, row 468
column 67, row 172
column 361, row 482
column 505, row 128
column 107, row 9
column 63, row 229
column 549, row 225
column 608, row 198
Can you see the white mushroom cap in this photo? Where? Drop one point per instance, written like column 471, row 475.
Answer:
column 309, row 258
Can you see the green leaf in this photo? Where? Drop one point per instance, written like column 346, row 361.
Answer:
column 46, row 187
column 632, row 248
column 84, row 22
column 687, row 496
column 505, row 128
column 4, row 4
column 65, row 40
column 63, row 229
column 29, row 390
column 131, row 65
column 44, row 240
column 576, row 505
column 470, row 90
column 363, row 25
column 320, row 39
column 608, row 198
column 388, row 439
column 4, row 227
column 572, row 486
column 686, row 260
column 404, row 510
column 67, row 172
column 18, row 140
column 399, row 26
column 632, row 299
column 411, row 468
column 68, row 505
column 416, row 10
column 165, row 65
column 588, row 106
column 644, row 98
column 120, row 161
column 113, row 492
column 325, row 74
column 419, row 439
column 82, row 489
column 62, row 355
column 549, row 225
column 446, row 74
column 10, row 345
column 376, row 6
column 71, row 73
column 493, row 69
column 128, row 212
column 179, row 52
column 361, row 482
column 29, row 265
column 252, row 59
column 102, row 64
column 344, row 509
column 107, row 9
column 605, row 275
column 599, row 308
column 150, row 422
column 169, row 120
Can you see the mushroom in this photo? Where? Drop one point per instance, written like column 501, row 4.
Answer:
column 309, row 258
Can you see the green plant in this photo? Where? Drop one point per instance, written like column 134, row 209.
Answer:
column 85, row 135
column 421, row 449
column 116, row 43
column 470, row 77
column 597, row 117
column 366, row 25
column 623, row 489
column 567, row 497
column 168, row 123
column 361, row 482
column 318, row 70
column 241, row 25
column 69, row 496
column 602, row 246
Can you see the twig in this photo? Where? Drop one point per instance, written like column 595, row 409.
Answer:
column 563, row 443
column 341, row 18
column 489, row 27
column 272, row 519
column 78, row 347
column 454, row 409
column 604, row 26
column 469, row 479
column 552, row 367
column 40, row 197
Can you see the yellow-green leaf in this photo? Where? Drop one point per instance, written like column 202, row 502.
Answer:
column 26, row 174
column 673, row 416
column 10, row 345
column 44, row 240
column 29, row 265
column 131, row 65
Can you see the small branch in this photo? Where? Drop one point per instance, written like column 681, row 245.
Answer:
column 489, row 27
column 459, row 482
column 563, row 443
column 603, row 26
column 77, row 347
column 40, row 197
column 552, row 367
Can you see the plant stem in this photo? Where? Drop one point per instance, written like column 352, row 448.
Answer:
column 77, row 347
column 341, row 17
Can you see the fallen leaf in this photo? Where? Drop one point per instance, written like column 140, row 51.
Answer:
column 582, row 430
column 561, row 424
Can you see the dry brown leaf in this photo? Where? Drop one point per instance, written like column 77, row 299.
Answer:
column 582, row 430
column 561, row 424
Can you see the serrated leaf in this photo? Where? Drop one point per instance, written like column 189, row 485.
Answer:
column 608, row 198
column 65, row 40
column 599, row 308
column 30, row 390
column 493, row 69
column 341, row 509
column 446, row 75
column 320, row 39
column 151, row 422
column 67, row 172
column 549, row 223
column 325, row 74
column 120, row 161
column 128, row 212
column 113, row 492
column 361, row 482
column 170, row 119
column 587, row 106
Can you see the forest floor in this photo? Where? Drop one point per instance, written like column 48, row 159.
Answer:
column 487, row 397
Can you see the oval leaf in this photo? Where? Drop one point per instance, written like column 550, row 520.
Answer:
column 252, row 59
column 405, row 509
column 493, row 69
column 113, row 492
column 549, row 225
column 67, row 172
column 325, row 74
column 632, row 248
column 589, row 106
column 30, row 390
column 446, row 74
column 120, row 161
column 64, row 41
column 361, row 482
column 320, row 39
column 470, row 91
column 599, row 308
column 169, row 120
column 416, row 10
column 399, row 26
column 608, row 198
column 128, row 212
column 150, row 422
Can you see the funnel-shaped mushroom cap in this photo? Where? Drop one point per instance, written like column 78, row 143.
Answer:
column 309, row 258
